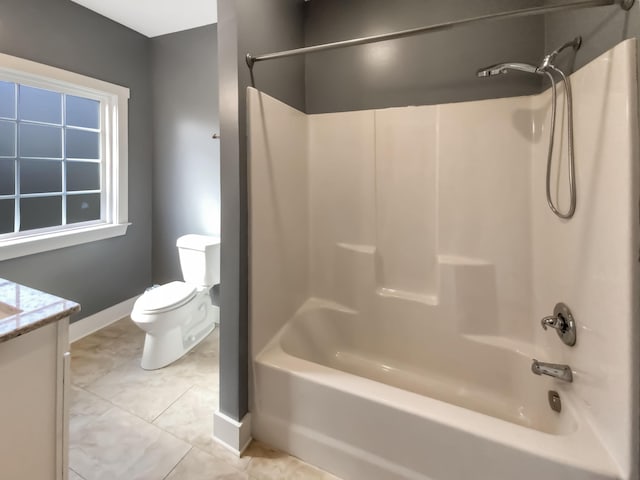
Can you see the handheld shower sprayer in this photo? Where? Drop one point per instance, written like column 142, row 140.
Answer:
column 501, row 68
column 547, row 68
column 547, row 62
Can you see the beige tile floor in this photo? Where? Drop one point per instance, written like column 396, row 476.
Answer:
column 130, row 424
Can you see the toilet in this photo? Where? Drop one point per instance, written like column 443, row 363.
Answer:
column 178, row 315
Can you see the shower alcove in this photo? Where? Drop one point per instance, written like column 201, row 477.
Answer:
column 401, row 261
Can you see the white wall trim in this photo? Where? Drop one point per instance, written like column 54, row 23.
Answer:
column 28, row 245
column 103, row 318
column 231, row 434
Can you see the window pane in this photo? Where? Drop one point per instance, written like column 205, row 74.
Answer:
column 40, row 141
column 7, row 215
column 83, row 176
column 40, row 176
column 40, row 212
column 83, row 144
column 40, row 105
column 7, row 176
column 82, row 112
column 7, row 100
column 82, row 208
column 7, row 139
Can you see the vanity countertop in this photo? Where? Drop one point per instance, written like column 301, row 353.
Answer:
column 23, row 309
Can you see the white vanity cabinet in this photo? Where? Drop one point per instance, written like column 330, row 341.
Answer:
column 34, row 383
column 34, row 376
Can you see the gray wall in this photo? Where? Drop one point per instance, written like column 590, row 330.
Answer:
column 65, row 35
column 601, row 28
column 256, row 27
column 421, row 70
column 186, row 160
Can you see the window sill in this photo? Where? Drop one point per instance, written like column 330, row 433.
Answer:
column 21, row 247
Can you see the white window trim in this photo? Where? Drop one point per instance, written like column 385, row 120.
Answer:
column 116, row 99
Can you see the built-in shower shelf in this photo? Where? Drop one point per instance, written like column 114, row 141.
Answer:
column 315, row 303
column 358, row 247
column 459, row 260
column 505, row 343
column 431, row 300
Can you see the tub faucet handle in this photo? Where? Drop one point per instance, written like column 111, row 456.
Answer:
column 563, row 322
column 552, row 321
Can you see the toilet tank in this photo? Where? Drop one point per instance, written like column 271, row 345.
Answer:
column 200, row 259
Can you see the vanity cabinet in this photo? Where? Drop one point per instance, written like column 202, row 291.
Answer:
column 34, row 376
column 34, row 384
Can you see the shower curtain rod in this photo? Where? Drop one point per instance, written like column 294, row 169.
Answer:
column 624, row 4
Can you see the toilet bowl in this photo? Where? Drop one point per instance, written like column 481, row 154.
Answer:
column 178, row 315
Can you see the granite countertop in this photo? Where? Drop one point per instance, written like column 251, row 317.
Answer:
column 23, row 309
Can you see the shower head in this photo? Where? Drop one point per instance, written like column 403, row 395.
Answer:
column 505, row 68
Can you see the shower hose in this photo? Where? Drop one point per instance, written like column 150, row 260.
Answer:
column 572, row 179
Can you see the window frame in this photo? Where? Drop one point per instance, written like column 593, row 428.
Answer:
column 114, row 151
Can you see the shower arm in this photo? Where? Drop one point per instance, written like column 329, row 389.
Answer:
column 576, row 43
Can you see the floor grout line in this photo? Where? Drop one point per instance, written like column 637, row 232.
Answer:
column 171, row 404
column 80, row 476
column 244, row 469
column 179, row 461
column 122, row 409
column 96, row 395
column 114, row 368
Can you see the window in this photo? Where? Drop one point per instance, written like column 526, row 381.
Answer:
column 63, row 158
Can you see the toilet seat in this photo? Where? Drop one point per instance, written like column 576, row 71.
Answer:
column 165, row 298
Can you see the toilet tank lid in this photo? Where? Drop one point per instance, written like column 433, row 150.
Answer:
column 197, row 242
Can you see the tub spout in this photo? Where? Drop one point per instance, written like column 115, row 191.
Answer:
column 561, row 372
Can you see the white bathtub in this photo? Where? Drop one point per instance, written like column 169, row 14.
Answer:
column 367, row 402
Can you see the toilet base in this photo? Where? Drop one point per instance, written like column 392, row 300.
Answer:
column 162, row 350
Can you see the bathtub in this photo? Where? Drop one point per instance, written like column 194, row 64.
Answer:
column 368, row 402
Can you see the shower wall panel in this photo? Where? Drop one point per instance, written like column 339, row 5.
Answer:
column 279, row 214
column 483, row 204
column 590, row 262
column 406, row 150
column 342, row 197
column 400, row 189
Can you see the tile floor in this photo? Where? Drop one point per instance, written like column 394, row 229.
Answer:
column 130, row 424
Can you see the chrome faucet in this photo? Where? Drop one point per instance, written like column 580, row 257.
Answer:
column 563, row 322
column 557, row 322
column 555, row 370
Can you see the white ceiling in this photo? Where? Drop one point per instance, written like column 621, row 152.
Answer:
column 156, row 17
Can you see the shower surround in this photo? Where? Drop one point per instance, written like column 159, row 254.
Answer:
column 401, row 261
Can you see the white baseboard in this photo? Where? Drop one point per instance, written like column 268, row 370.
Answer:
column 231, row 434
column 103, row 318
